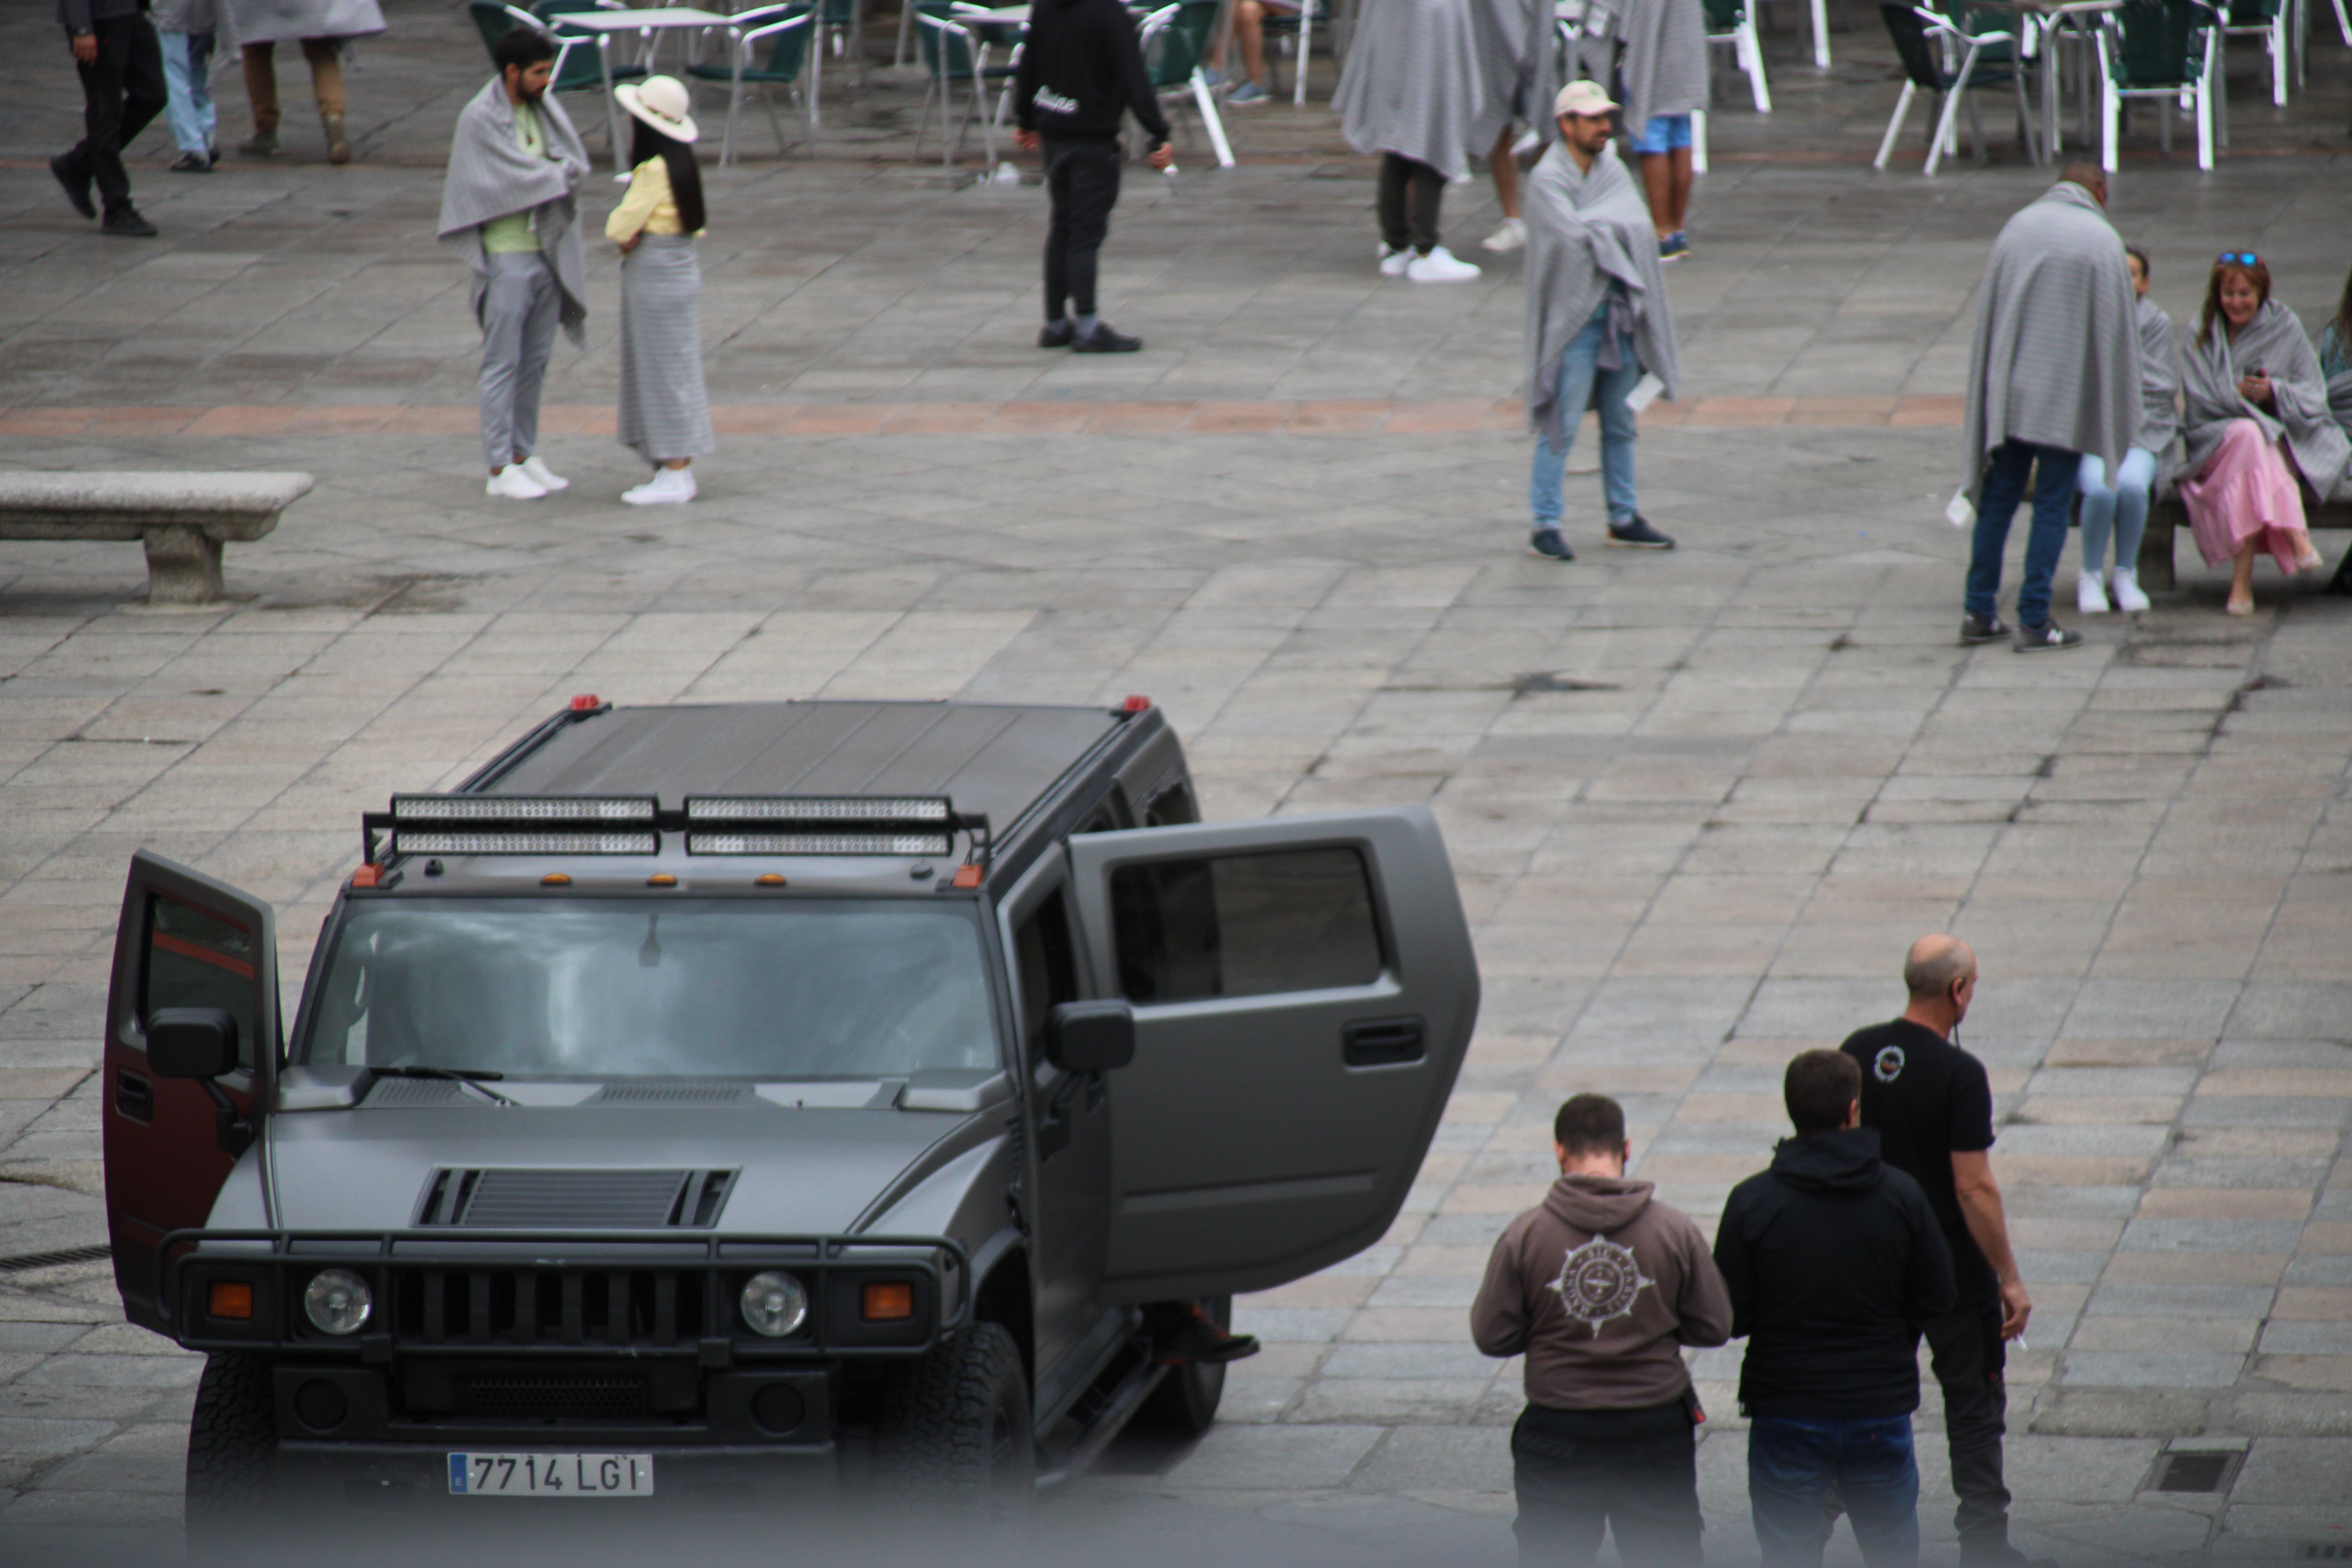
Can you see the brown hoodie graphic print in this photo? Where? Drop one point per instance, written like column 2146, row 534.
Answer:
column 1599, row 1287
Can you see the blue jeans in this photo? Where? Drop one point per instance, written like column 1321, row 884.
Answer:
column 1664, row 133
column 1793, row 1462
column 187, row 82
column 2123, row 509
column 1578, row 373
column 2004, row 487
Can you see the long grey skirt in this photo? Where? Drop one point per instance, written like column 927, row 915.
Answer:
column 665, row 414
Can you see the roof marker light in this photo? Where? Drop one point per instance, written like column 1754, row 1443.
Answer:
column 1136, row 705
column 661, row 880
column 365, row 877
column 556, row 879
column 966, row 876
column 586, row 702
column 768, row 880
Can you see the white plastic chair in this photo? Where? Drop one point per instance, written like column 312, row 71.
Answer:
column 2198, row 70
column 1950, row 71
column 1745, row 47
column 1820, row 18
column 954, row 51
column 2273, row 31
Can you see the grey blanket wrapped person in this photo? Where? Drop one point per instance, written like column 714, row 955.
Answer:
column 490, row 176
column 1411, row 87
column 1588, row 231
column 2055, row 359
column 2159, row 381
column 1665, row 67
column 2272, row 342
column 1518, row 67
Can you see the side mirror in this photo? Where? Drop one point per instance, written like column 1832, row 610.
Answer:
column 1090, row 1037
column 191, row 1042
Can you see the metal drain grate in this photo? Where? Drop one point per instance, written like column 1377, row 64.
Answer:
column 2325, row 1552
column 97, row 1254
column 2204, row 1470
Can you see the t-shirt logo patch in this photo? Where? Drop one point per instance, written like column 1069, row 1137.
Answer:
column 1599, row 1281
column 1889, row 1064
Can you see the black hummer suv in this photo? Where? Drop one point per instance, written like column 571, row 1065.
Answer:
column 700, row 1099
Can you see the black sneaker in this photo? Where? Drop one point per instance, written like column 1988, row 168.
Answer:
column 1197, row 1338
column 1104, row 340
column 192, row 163
column 1977, row 629
column 77, row 190
column 1638, row 535
column 211, row 156
column 1057, row 334
column 2048, row 635
column 1547, row 544
column 126, row 222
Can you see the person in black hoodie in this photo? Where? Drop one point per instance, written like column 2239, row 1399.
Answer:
column 1081, row 67
column 1834, row 1258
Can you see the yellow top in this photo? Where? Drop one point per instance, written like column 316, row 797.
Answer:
column 649, row 207
column 513, row 233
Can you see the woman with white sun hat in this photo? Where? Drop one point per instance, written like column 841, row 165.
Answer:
column 665, row 413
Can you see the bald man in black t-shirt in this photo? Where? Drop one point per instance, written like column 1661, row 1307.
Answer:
column 1931, row 1104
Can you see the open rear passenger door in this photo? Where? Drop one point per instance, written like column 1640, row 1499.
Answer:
column 1304, row 991
column 185, row 941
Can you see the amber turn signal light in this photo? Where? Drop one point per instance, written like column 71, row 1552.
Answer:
column 883, row 1303
column 229, row 1298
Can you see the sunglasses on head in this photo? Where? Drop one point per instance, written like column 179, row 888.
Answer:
column 2237, row 258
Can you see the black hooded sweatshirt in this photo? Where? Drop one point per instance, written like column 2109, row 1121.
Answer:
column 1833, row 1260
column 1081, row 64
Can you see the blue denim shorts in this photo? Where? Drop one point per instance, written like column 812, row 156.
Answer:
column 1666, row 133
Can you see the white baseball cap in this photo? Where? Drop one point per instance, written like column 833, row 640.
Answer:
column 1588, row 97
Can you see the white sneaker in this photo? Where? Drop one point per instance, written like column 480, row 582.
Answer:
column 1440, row 266
column 1510, row 237
column 542, row 476
column 2090, row 594
column 2129, row 598
column 667, row 485
column 1394, row 262
column 511, row 483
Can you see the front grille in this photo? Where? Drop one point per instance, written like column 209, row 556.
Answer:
column 555, row 1397
column 640, row 1307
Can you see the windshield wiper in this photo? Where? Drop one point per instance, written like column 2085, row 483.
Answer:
column 471, row 1077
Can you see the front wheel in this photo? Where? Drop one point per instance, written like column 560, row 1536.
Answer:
column 955, row 1430
column 232, row 1439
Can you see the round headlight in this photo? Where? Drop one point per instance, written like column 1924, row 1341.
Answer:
column 338, row 1302
column 774, row 1304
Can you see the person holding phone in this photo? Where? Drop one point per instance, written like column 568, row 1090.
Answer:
column 2258, row 429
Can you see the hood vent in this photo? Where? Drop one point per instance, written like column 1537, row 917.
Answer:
column 671, row 1094
column 476, row 1199
column 420, row 1091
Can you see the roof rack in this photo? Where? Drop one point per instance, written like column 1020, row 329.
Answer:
column 632, row 824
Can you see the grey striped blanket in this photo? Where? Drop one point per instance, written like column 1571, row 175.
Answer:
column 1410, row 85
column 2159, row 384
column 1518, row 67
column 491, row 176
column 269, row 21
column 2056, row 356
column 1586, row 230
column 1664, row 64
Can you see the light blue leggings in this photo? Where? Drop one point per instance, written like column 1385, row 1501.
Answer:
column 2123, row 509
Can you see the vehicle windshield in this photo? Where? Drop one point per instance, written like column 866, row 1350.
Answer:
column 679, row 988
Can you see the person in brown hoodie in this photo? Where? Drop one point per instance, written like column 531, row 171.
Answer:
column 1599, row 1287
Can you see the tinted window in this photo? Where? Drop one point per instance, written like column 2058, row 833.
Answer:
column 637, row 988
column 1244, row 925
column 195, row 959
column 1048, row 973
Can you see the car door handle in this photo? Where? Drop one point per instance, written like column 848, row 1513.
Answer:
column 1383, row 1042
column 134, row 1097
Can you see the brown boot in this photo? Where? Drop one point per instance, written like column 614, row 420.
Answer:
column 339, row 146
column 260, row 144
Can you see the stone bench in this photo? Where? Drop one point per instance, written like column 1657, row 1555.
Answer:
column 2167, row 514
column 183, row 518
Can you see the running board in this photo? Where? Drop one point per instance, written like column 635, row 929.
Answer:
column 1100, row 1414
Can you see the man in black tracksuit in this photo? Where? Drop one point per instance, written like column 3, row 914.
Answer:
column 121, row 64
column 1833, row 1259
column 1080, row 67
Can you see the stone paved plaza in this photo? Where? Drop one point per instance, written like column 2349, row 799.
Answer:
column 1699, row 802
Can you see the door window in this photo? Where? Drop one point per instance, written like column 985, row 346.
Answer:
column 1244, row 925
column 1047, row 966
column 197, row 960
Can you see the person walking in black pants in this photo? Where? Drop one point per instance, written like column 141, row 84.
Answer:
column 121, row 66
column 1931, row 1105
column 1081, row 67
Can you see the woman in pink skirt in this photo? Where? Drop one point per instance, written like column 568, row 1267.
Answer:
column 2256, row 422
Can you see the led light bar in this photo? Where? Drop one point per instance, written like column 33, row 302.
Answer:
column 523, row 824
column 534, row 810
column 724, row 843
column 705, row 809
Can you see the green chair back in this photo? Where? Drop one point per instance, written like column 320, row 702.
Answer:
column 946, row 57
column 1724, row 15
column 779, row 64
column 2161, row 43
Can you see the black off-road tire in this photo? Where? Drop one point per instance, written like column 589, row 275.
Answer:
column 231, row 1444
column 955, row 1433
column 1185, row 1403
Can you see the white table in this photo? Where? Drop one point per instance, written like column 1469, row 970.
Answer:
column 645, row 22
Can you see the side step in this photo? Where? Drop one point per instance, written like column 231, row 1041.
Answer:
column 1101, row 1412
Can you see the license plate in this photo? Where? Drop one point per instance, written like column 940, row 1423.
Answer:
column 552, row 1475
